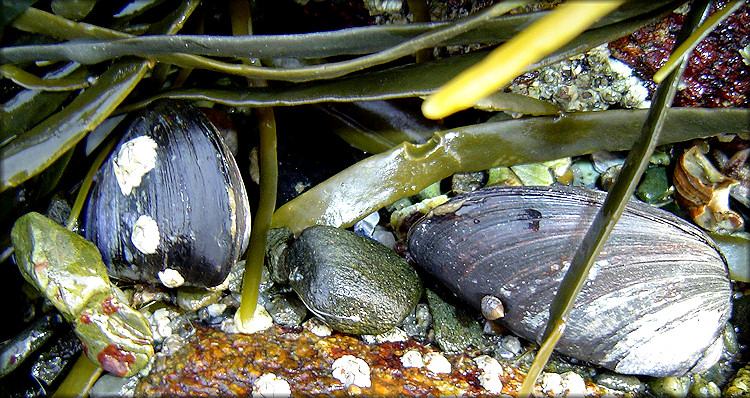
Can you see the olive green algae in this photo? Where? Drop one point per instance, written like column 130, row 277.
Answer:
column 353, row 283
column 455, row 330
column 70, row 273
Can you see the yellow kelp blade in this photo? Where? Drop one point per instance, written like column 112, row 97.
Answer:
column 511, row 59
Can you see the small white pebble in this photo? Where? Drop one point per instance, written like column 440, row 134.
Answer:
column 270, row 385
column 436, row 362
column 552, row 384
column 159, row 322
column 163, row 328
column 574, row 384
column 491, row 382
column 317, row 327
column 392, row 336
column 260, row 321
column 488, row 364
column 491, row 372
column 352, row 370
column 412, row 359
column 512, row 344
column 369, row 339
column 227, row 326
column 216, row 309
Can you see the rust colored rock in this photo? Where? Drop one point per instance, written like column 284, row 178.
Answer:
column 217, row 364
column 715, row 76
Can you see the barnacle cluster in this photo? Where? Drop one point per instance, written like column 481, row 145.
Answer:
column 586, row 82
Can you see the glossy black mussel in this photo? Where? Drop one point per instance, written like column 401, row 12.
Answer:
column 655, row 303
column 169, row 205
column 353, row 283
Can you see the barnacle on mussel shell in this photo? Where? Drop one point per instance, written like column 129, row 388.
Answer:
column 169, row 205
column 656, row 301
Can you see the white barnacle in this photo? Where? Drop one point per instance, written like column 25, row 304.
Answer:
column 491, row 372
column 134, row 159
column 412, row 359
column 270, row 385
column 145, row 235
column 352, row 370
column 435, row 362
column 317, row 327
column 574, row 384
column 171, row 278
column 391, row 336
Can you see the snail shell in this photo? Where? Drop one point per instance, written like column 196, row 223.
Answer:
column 655, row 303
column 169, row 205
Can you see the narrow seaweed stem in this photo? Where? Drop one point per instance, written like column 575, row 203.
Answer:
column 83, row 191
column 510, row 59
column 32, row 82
column 612, row 208
column 254, row 260
column 88, row 54
column 263, row 215
column 80, row 379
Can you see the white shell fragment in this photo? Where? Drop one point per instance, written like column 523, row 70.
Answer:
column 435, row 362
column 412, row 359
column 352, row 370
column 573, row 384
column 491, row 372
column 270, row 385
column 171, row 278
column 135, row 158
column 260, row 321
column 392, row 336
column 552, row 384
column 569, row 384
column 145, row 235
column 317, row 327
column 159, row 322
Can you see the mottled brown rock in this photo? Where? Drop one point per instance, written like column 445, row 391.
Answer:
column 715, row 76
column 217, row 364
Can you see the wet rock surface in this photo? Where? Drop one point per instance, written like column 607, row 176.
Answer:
column 214, row 363
column 716, row 74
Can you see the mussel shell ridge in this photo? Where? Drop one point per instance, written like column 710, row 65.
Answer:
column 169, row 205
column 655, row 303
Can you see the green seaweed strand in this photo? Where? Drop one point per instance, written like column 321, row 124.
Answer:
column 358, row 40
column 408, row 168
column 307, row 73
column 399, row 82
column 612, row 208
column 30, row 81
column 80, row 379
column 254, row 260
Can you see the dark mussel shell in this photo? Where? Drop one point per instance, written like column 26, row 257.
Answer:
column 655, row 303
column 169, row 205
